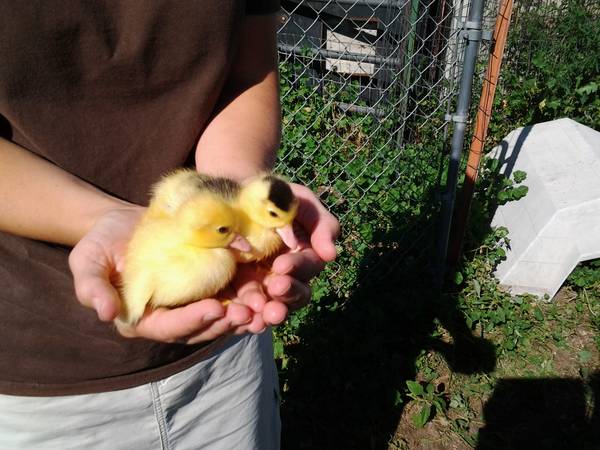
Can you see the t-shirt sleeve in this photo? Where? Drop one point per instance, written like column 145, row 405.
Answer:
column 256, row 7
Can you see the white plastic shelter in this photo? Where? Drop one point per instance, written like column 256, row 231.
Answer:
column 557, row 224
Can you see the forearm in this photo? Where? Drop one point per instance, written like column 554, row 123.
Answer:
column 243, row 136
column 39, row 200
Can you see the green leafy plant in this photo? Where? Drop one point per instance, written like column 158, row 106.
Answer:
column 429, row 401
column 586, row 275
column 376, row 188
column 352, row 162
column 551, row 69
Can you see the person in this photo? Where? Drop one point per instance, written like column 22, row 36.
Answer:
column 97, row 101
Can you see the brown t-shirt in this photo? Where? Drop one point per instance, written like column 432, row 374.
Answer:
column 115, row 92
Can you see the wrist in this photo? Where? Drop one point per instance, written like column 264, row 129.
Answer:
column 110, row 206
column 102, row 206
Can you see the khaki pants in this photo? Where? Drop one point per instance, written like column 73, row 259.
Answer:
column 227, row 402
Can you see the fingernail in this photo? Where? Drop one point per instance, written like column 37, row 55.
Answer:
column 236, row 323
column 282, row 289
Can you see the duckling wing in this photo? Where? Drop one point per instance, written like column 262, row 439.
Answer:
column 193, row 274
column 172, row 191
column 136, row 292
column 226, row 188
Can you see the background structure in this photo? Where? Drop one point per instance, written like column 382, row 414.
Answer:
column 366, row 88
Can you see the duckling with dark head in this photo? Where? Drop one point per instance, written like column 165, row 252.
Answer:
column 267, row 207
column 183, row 248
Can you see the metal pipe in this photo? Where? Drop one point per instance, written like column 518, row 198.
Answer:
column 484, row 115
column 365, row 110
column 372, row 3
column 472, row 31
column 348, row 56
column 407, row 69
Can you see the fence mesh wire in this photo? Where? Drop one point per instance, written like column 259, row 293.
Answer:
column 529, row 18
column 365, row 87
column 549, row 71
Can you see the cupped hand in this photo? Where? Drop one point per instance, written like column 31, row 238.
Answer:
column 288, row 283
column 96, row 262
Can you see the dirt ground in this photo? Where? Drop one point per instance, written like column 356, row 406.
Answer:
column 561, row 411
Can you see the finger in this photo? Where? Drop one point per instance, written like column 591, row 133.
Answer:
column 274, row 313
column 237, row 319
column 253, row 296
column 322, row 240
column 256, row 326
column 323, row 227
column 289, row 291
column 174, row 325
column 303, row 265
column 247, row 289
column 93, row 288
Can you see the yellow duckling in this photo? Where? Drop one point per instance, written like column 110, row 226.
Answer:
column 265, row 204
column 181, row 250
column 267, row 208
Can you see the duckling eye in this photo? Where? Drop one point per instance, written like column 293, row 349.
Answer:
column 273, row 213
column 223, row 230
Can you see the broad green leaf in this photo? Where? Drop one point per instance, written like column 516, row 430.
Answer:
column 440, row 404
column 537, row 312
column 421, row 418
column 398, row 400
column 519, row 176
column 278, row 349
column 415, row 388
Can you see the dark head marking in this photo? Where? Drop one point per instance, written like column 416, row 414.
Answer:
column 223, row 186
column 280, row 193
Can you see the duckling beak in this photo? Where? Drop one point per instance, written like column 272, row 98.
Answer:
column 241, row 244
column 287, row 235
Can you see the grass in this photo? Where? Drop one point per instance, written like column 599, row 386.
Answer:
column 383, row 359
column 400, row 364
column 350, row 378
column 541, row 391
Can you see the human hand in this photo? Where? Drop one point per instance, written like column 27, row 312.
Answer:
column 287, row 285
column 96, row 262
column 272, row 294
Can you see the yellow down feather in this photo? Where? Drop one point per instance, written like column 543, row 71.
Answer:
column 179, row 251
column 265, row 205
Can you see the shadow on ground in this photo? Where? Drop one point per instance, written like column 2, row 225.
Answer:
column 346, row 370
column 348, row 366
column 542, row 414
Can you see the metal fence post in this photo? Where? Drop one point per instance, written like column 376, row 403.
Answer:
column 365, row 86
column 472, row 31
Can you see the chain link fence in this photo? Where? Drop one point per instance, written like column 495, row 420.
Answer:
column 366, row 86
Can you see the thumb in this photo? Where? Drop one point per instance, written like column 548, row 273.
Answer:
column 93, row 287
column 322, row 226
column 322, row 240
